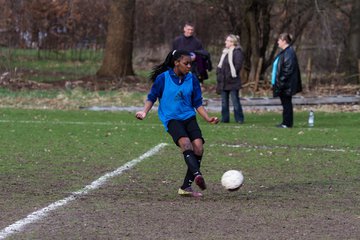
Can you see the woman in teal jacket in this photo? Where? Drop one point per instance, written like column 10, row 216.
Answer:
column 286, row 79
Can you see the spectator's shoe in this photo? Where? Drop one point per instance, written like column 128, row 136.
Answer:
column 199, row 180
column 282, row 126
column 188, row 192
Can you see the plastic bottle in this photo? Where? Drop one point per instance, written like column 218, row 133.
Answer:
column 311, row 118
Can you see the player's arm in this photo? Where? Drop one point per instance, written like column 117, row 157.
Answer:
column 203, row 113
column 155, row 93
column 197, row 102
column 142, row 114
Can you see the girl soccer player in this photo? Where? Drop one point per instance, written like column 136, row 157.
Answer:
column 179, row 94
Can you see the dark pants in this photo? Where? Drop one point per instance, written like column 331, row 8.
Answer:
column 287, row 114
column 225, row 113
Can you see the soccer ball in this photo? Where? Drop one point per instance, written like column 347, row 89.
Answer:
column 232, row 180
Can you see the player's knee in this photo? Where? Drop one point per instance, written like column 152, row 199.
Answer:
column 198, row 149
column 185, row 144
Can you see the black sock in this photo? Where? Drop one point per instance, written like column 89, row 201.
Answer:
column 188, row 180
column 192, row 162
column 189, row 177
column 199, row 159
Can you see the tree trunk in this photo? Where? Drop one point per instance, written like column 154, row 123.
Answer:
column 117, row 60
column 354, row 40
column 251, row 21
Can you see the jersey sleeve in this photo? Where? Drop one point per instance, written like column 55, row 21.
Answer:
column 197, row 94
column 156, row 89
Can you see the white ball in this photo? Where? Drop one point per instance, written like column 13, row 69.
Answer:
column 232, row 180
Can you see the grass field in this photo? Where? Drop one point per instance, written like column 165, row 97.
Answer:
column 300, row 183
column 50, row 66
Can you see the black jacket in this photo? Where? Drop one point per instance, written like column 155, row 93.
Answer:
column 223, row 75
column 202, row 64
column 288, row 79
column 190, row 44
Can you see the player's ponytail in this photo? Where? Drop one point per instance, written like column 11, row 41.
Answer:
column 168, row 63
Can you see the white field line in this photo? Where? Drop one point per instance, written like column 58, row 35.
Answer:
column 129, row 123
column 42, row 213
column 286, row 147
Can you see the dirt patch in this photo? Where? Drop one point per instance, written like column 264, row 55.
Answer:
column 131, row 212
column 133, row 207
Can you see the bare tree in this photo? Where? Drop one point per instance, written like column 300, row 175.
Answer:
column 353, row 49
column 326, row 31
column 117, row 61
column 258, row 22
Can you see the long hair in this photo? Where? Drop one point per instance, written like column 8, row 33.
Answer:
column 168, row 63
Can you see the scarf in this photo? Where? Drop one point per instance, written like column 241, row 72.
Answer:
column 229, row 52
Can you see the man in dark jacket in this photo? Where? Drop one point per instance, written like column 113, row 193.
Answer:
column 201, row 61
column 286, row 79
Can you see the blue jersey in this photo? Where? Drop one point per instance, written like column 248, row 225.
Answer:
column 178, row 99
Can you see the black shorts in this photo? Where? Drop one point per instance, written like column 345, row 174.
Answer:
column 184, row 128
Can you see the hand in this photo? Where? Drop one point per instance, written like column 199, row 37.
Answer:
column 193, row 56
column 214, row 120
column 140, row 115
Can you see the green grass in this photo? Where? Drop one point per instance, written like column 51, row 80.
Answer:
column 49, row 66
column 68, row 99
column 46, row 155
column 59, row 55
column 67, row 144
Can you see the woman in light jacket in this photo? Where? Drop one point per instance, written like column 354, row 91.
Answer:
column 228, row 78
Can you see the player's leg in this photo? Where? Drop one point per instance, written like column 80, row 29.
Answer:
column 193, row 172
column 183, row 133
column 198, row 150
column 197, row 141
column 189, row 155
column 179, row 134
